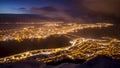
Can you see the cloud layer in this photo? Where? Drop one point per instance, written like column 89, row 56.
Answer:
column 103, row 6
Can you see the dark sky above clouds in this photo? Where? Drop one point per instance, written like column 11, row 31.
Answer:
column 30, row 6
column 59, row 7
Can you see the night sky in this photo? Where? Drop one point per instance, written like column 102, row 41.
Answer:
column 32, row 6
column 59, row 7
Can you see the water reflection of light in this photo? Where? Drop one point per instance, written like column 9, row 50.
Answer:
column 80, row 48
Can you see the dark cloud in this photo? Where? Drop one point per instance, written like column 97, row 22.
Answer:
column 82, row 10
column 22, row 8
column 110, row 7
column 78, row 7
column 47, row 8
column 52, row 12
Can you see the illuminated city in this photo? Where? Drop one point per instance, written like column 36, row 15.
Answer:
column 59, row 33
column 80, row 48
column 45, row 30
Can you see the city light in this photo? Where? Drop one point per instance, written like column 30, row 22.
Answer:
column 80, row 48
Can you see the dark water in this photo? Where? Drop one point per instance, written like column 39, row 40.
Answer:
column 112, row 31
column 14, row 47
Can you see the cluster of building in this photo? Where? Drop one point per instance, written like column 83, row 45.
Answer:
column 80, row 48
column 44, row 30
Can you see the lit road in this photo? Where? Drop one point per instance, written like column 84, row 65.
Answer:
column 80, row 48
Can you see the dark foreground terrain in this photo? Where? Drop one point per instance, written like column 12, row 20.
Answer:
column 97, row 62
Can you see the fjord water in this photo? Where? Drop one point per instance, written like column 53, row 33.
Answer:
column 55, row 41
